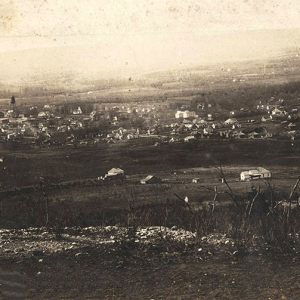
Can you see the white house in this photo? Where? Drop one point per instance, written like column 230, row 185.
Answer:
column 278, row 112
column 115, row 171
column 230, row 121
column 189, row 138
column 42, row 114
column 184, row 114
column 255, row 174
column 77, row 111
column 209, row 117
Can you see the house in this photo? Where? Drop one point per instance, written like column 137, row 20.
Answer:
column 255, row 174
column 114, row 173
column 189, row 138
column 292, row 125
column 265, row 119
column 202, row 122
column 11, row 114
column 210, row 117
column 208, row 131
column 4, row 120
column 185, row 114
column 43, row 114
column 77, row 111
column 239, row 134
column 151, row 179
column 230, row 121
column 278, row 112
column 174, row 140
column 257, row 132
column 191, row 126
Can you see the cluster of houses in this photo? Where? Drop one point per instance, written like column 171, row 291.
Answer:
column 51, row 125
column 111, row 123
column 230, row 128
column 260, row 125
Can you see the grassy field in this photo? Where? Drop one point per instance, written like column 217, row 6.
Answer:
column 24, row 167
column 176, row 164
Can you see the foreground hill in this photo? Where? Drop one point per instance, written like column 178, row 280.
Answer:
column 98, row 262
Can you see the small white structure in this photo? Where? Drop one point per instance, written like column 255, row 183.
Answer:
column 255, row 174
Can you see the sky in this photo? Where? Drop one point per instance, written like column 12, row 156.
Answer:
column 121, row 37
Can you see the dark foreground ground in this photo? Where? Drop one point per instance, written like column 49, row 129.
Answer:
column 160, row 264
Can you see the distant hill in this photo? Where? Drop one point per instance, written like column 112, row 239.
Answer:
column 177, row 82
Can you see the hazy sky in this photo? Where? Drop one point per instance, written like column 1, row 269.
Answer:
column 126, row 36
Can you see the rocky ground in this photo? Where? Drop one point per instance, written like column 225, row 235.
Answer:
column 147, row 263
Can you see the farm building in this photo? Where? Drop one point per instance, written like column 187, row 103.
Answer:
column 255, row 174
column 151, row 179
column 115, row 172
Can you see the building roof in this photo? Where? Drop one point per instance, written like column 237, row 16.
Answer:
column 151, row 178
column 115, row 171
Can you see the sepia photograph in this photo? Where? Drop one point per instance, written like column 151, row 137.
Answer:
column 150, row 149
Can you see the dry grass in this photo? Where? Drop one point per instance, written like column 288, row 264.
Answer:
column 268, row 214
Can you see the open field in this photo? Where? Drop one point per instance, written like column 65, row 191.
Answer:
column 73, row 173
column 24, row 167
